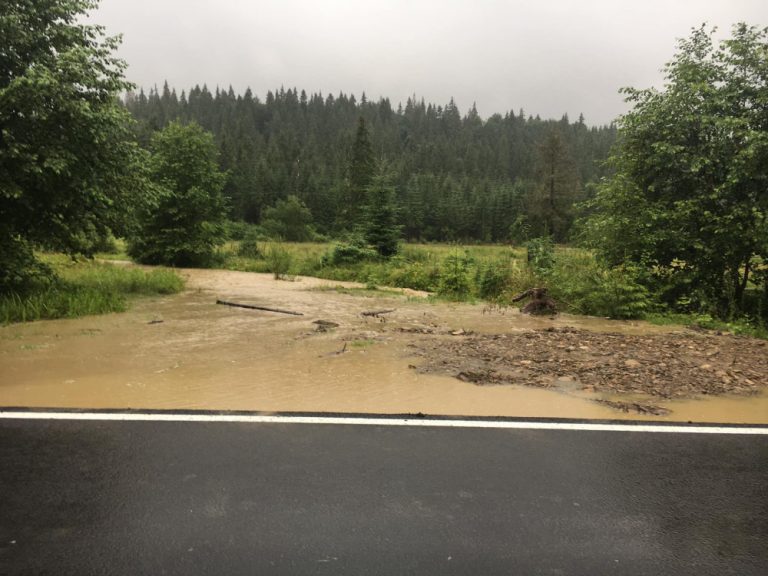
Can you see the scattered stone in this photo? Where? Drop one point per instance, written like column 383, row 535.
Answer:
column 538, row 358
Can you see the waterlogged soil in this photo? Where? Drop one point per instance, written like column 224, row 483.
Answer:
column 658, row 366
column 188, row 352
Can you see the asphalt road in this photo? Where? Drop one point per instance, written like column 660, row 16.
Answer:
column 95, row 497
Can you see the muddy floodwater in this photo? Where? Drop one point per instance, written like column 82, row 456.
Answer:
column 187, row 352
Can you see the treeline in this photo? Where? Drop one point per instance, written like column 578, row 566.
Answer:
column 457, row 177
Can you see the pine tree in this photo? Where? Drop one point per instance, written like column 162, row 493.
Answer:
column 361, row 170
column 381, row 215
column 557, row 186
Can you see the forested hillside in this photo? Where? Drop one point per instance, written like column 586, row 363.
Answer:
column 457, row 176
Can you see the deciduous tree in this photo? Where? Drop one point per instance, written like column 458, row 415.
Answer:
column 69, row 170
column 689, row 196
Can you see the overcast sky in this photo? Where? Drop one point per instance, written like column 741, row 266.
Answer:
column 549, row 57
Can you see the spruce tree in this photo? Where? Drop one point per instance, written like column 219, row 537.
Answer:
column 187, row 223
column 557, row 186
column 361, row 170
column 382, row 230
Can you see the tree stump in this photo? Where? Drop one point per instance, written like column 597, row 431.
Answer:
column 540, row 304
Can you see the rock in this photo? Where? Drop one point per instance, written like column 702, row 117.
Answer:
column 632, row 363
column 705, row 367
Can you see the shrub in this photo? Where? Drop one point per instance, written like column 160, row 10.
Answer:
column 541, row 254
column 454, row 277
column 586, row 287
column 415, row 275
column 616, row 295
column 289, row 219
column 349, row 253
column 492, row 279
column 239, row 230
column 279, row 260
column 249, row 246
column 21, row 271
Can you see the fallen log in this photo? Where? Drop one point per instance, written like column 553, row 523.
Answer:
column 377, row 313
column 252, row 307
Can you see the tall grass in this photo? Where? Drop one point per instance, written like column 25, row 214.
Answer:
column 86, row 288
column 577, row 281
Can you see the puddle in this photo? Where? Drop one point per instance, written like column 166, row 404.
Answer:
column 186, row 352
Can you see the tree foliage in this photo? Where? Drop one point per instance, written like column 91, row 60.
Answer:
column 290, row 220
column 186, row 223
column 549, row 204
column 456, row 177
column 69, row 170
column 382, row 230
column 689, row 196
column 361, row 171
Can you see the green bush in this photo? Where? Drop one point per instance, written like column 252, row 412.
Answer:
column 415, row 275
column 580, row 282
column 249, row 245
column 289, row 219
column 239, row 230
column 349, row 253
column 454, row 277
column 279, row 260
column 20, row 271
column 541, row 254
column 492, row 279
column 617, row 295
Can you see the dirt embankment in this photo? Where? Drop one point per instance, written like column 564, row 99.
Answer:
column 664, row 366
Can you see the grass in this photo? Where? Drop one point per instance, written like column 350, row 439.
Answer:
column 491, row 273
column 418, row 266
column 362, row 344
column 86, row 288
column 738, row 327
column 120, row 252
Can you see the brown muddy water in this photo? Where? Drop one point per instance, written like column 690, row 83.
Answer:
column 187, row 352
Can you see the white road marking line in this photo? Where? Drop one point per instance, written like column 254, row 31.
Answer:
column 362, row 421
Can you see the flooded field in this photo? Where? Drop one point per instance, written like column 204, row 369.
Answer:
column 185, row 351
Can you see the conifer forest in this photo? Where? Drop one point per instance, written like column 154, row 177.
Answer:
column 457, row 176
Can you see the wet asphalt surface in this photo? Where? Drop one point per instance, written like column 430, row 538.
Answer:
column 129, row 498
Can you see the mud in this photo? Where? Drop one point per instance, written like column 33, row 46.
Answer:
column 678, row 365
column 184, row 351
